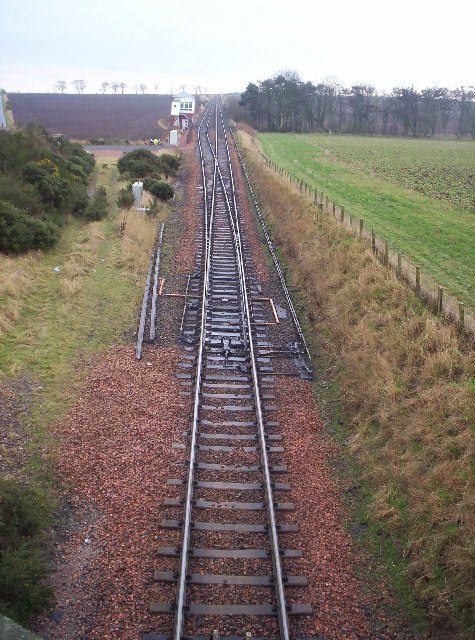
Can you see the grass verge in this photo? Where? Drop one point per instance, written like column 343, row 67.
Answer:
column 59, row 310
column 406, row 384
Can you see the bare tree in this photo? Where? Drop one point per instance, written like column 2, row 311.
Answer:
column 79, row 85
column 122, row 86
column 61, row 85
column 183, row 87
column 104, row 86
column 143, row 87
column 197, row 89
column 115, row 86
column 135, row 87
column 155, row 86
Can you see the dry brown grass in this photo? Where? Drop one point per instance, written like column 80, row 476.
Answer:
column 408, row 384
column 14, row 283
column 82, row 258
column 138, row 236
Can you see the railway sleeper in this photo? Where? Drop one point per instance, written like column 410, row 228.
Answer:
column 229, row 505
column 233, row 527
column 232, row 609
column 230, row 486
column 251, row 554
column 226, row 579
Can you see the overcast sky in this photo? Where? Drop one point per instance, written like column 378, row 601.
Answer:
column 222, row 45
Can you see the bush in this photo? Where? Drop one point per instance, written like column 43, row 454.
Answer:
column 125, row 198
column 77, row 170
column 97, row 209
column 139, row 164
column 169, row 164
column 78, row 199
column 54, row 191
column 170, row 160
column 33, row 172
column 19, row 232
column 159, row 189
column 23, row 196
column 23, row 566
column 167, row 170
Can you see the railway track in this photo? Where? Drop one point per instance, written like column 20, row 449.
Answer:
column 233, row 568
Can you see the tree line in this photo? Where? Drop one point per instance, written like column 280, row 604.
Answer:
column 287, row 103
column 80, row 85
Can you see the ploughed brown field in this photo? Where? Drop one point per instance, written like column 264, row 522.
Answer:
column 84, row 117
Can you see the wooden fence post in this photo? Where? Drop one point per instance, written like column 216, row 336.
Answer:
column 399, row 264
column 373, row 240
column 333, row 208
column 440, row 294
column 320, row 210
column 462, row 315
column 342, row 215
column 386, row 253
column 361, row 226
column 418, row 279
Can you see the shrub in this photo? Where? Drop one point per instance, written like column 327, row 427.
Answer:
column 19, row 232
column 125, row 198
column 23, row 196
column 23, row 567
column 159, row 189
column 33, row 172
column 167, row 170
column 54, row 191
column 77, row 170
column 78, row 199
column 170, row 160
column 97, row 209
column 169, row 164
column 139, row 164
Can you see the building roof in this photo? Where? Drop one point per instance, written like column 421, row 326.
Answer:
column 184, row 94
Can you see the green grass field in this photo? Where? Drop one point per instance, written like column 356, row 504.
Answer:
column 417, row 194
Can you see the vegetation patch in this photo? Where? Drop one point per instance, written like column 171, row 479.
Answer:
column 24, row 514
column 59, row 309
column 42, row 180
column 378, row 179
column 405, row 380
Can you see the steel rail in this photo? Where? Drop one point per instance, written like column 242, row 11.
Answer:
column 236, row 235
column 276, row 560
column 184, row 557
column 153, row 311
column 278, row 573
column 143, row 313
column 270, row 246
